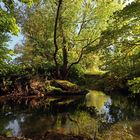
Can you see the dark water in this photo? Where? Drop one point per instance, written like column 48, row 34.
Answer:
column 96, row 115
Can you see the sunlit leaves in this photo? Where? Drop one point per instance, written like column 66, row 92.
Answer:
column 8, row 23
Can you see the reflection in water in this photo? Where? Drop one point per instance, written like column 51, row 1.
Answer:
column 14, row 126
column 123, row 131
column 86, row 124
column 113, row 116
column 97, row 99
column 101, row 102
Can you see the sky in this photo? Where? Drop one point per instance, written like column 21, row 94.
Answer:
column 15, row 40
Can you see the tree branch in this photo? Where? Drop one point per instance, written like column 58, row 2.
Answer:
column 81, row 54
column 82, row 25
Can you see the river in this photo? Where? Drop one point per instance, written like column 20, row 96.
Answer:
column 95, row 115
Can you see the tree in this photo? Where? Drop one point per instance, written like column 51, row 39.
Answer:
column 64, row 31
column 8, row 26
column 121, row 45
column 78, row 30
column 4, row 53
column 7, row 15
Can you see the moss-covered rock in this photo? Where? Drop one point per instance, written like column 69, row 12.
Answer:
column 63, row 87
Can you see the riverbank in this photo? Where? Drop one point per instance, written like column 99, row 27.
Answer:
column 36, row 91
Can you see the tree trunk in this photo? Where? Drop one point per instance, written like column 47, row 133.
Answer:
column 55, row 39
column 64, row 51
column 65, row 62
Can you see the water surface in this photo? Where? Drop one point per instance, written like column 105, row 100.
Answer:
column 96, row 115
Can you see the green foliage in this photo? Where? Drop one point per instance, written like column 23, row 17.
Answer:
column 8, row 23
column 5, row 54
column 134, row 85
column 120, row 45
column 77, row 75
column 7, row 15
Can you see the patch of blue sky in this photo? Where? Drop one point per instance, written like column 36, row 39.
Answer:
column 15, row 40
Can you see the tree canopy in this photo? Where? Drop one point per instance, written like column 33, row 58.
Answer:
column 121, row 44
column 64, row 31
